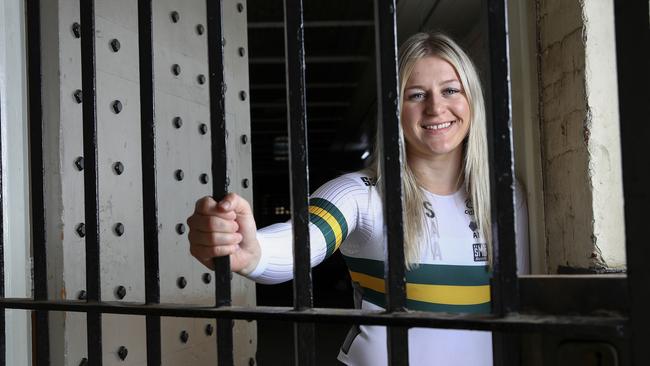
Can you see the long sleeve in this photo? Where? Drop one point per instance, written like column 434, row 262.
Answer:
column 333, row 215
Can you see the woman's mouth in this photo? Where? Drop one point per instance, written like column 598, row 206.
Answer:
column 438, row 126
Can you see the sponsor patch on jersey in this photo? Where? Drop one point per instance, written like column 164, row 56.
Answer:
column 428, row 210
column 469, row 208
column 480, row 252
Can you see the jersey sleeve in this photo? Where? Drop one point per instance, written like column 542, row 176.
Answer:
column 333, row 215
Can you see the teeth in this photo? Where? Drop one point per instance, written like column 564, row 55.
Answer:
column 438, row 126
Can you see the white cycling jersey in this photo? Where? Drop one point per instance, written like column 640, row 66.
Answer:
column 452, row 276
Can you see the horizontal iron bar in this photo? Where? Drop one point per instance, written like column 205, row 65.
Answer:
column 311, row 130
column 282, row 86
column 611, row 326
column 310, row 60
column 315, row 24
column 284, row 119
column 309, row 104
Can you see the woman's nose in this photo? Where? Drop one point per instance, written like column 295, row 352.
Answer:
column 435, row 105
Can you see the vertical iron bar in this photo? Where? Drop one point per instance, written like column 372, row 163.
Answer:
column 219, row 161
column 304, row 333
column 388, row 112
column 3, row 347
column 91, row 193
column 149, row 184
column 505, row 291
column 632, row 59
column 41, row 332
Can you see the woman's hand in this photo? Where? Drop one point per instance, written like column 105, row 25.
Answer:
column 224, row 228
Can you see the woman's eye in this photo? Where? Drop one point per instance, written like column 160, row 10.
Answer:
column 450, row 91
column 416, row 96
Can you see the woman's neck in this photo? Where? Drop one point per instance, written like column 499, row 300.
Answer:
column 441, row 174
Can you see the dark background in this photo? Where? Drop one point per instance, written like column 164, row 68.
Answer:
column 341, row 119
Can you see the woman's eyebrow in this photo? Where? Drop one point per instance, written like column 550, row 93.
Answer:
column 418, row 86
column 450, row 81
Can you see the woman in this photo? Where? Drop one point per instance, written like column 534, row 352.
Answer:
column 447, row 216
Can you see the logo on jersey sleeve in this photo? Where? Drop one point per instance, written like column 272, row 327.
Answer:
column 480, row 252
column 369, row 181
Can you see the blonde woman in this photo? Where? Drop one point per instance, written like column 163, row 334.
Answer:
column 447, row 216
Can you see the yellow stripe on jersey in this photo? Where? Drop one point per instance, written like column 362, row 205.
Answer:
column 437, row 294
column 333, row 223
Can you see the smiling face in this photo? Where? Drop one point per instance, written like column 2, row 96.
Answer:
column 435, row 110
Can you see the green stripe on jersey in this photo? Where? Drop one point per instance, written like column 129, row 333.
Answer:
column 330, row 221
column 427, row 274
column 326, row 230
column 333, row 210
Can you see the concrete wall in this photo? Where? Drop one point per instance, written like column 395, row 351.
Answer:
column 15, row 179
column 579, row 136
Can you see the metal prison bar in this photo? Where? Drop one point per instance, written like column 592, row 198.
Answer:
column 631, row 23
column 149, row 184
column 36, row 172
column 219, row 160
column 504, row 289
column 91, row 179
column 388, row 124
column 304, row 333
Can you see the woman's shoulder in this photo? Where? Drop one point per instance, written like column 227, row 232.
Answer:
column 353, row 183
column 362, row 178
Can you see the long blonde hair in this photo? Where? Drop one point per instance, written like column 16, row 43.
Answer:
column 475, row 153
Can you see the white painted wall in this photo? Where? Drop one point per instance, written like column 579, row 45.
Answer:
column 15, row 178
column 604, row 142
column 122, row 257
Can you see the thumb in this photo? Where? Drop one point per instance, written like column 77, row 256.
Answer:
column 235, row 203
column 207, row 206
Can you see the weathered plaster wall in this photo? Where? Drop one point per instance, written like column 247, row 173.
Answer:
column 604, row 139
column 14, row 197
column 581, row 152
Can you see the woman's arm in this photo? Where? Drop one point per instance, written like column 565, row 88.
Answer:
column 266, row 255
